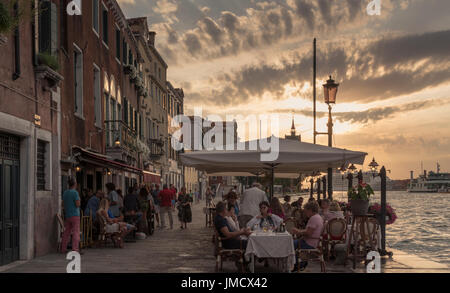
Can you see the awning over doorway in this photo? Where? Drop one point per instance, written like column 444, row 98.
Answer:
column 100, row 160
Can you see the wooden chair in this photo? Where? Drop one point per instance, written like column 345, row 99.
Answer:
column 223, row 254
column 336, row 231
column 103, row 236
column 290, row 223
column 368, row 234
column 61, row 233
column 313, row 254
column 86, row 230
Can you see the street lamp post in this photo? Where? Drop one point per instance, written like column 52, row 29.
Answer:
column 374, row 169
column 330, row 93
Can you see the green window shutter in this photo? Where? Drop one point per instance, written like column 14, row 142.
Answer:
column 125, row 112
column 105, row 25
column 118, row 42
column 125, row 52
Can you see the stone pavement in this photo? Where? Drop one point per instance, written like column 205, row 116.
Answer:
column 186, row 251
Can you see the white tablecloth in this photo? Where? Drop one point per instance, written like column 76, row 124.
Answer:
column 271, row 245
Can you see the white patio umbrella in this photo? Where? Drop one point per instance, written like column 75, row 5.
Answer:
column 294, row 157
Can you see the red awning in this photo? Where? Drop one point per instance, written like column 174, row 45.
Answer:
column 151, row 178
column 101, row 159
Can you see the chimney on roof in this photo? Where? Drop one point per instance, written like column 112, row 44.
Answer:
column 412, row 175
column 151, row 38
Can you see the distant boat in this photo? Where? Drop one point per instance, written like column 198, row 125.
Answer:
column 431, row 182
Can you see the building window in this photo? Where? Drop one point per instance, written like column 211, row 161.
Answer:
column 105, row 24
column 78, row 80
column 118, row 42
column 159, row 73
column 125, row 52
column 40, row 165
column 95, row 22
column 97, row 99
column 107, row 119
column 48, row 28
column 125, row 112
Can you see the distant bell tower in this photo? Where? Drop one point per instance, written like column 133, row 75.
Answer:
column 293, row 135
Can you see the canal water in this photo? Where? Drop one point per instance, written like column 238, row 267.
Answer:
column 423, row 224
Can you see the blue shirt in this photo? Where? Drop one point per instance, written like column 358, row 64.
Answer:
column 70, row 196
column 92, row 206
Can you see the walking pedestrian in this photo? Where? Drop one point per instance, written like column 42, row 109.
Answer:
column 72, row 203
column 209, row 197
column 155, row 194
column 165, row 199
column 184, row 208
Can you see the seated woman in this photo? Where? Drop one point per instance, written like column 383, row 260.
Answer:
column 310, row 235
column 276, row 208
column 113, row 225
column 265, row 217
column 288, row 209
column 231, row 198
column 230, row 238
column 231, row 217
column 335, row 211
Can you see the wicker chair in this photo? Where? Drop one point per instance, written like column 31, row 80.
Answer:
column 313, row 254
column 103, row 236
column 336, row 233
column 223, row 254
column 61, row 233
column 290, row 223
column 369, row 238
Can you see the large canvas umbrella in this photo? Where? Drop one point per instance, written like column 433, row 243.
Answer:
column 294, row 157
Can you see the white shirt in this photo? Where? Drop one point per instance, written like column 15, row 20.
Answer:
column 232, row 223
column 276, row 220
column 250, row 201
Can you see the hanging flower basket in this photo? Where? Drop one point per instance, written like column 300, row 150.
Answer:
column 391, row 216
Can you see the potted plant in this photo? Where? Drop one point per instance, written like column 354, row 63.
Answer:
column 360, row 198
column 47, row 59
column 6, row 22
column 391, row 216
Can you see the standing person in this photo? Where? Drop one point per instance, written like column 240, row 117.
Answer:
column 184, row 210
column 287, row 206
column 119, row 192
column 250, row 201
column 113, row 198
column 197, row 196
column 155, row 194
column 144, row 206
column 72, row 203
column 165, row 199
column 209, row 197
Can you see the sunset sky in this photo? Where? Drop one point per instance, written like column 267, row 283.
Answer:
column 255, row 57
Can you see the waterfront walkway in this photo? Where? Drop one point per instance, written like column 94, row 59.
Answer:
column 186, row 251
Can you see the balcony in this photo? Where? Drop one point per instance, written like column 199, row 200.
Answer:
column 156, row 149
column 121, row 141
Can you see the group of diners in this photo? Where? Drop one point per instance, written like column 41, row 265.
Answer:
column 310, row 217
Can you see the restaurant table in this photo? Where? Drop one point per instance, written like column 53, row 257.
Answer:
column 273, row 246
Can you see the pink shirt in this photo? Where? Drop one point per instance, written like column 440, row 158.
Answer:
column 316, row 223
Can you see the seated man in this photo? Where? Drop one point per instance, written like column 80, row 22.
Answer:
column 311, row 235
column 93, row 204
column 231, row 239
column 265, row 217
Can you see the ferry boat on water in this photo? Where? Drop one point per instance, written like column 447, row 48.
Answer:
column 431, row 182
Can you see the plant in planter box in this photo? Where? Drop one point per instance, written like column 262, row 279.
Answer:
column 49, row 60
column 360, row 198
column 6, row 20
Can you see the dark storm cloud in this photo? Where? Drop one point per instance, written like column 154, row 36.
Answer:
column 211, row 28
column 305, row 10
column 374, row 114
column 400, row 74
column 192, row 43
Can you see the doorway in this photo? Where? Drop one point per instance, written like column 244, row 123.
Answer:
column 9, row 198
